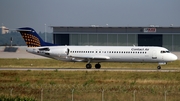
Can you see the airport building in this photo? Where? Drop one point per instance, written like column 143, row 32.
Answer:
column 3, row 30
column 168, row 37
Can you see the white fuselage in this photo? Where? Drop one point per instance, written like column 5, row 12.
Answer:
column 105, row 53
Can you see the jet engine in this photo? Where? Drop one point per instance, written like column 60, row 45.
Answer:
column 59, row 52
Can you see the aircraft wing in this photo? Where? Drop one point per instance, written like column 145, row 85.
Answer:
column 91, row 57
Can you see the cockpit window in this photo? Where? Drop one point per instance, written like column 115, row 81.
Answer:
column 163, row 51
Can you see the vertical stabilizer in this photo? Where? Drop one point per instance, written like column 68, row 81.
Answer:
column 31, row 38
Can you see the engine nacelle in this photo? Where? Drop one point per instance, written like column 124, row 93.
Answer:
column 59, row 52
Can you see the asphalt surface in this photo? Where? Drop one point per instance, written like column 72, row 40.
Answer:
column 80, row 69
column 19, row 54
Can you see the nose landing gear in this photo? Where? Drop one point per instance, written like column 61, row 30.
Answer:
column 159, row 67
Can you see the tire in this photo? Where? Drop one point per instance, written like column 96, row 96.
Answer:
column 98, row 66
column 88, row 66
column 158, row 67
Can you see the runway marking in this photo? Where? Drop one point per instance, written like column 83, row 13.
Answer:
column 80, row 69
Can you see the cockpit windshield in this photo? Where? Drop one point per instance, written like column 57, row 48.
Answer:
column 165, row 51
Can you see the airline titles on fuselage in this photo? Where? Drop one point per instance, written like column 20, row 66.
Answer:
column 139, row 49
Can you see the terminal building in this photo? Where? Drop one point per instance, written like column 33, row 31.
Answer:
column 168, row 37
column 3, row 30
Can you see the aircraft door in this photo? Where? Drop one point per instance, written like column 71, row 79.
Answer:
column 154, row 55
column 67, row 51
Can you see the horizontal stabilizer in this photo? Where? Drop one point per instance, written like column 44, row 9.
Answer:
column 24, row 30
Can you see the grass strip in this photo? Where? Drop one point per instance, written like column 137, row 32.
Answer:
column 50, row 63
column 89, row 77
column 90, row 85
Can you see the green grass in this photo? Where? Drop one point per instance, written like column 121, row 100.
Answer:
column 16, row 98
column 50, row 63
column 88, row 77
column 88, row 85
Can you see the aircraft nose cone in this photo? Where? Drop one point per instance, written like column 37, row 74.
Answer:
column 174, row 57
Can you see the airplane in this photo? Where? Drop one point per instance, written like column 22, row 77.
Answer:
column 95, row 54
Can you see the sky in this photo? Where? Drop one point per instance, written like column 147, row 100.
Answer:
column 119, row 13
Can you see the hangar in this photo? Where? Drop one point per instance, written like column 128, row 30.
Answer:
column 168, row 37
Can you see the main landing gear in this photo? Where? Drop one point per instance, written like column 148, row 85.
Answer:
column 97, row 66
column 89, row 66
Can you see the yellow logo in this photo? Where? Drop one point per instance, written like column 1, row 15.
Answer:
column 31, row 40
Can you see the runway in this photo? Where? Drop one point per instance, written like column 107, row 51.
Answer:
column 80, row 69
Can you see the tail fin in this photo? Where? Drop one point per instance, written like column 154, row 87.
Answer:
column 31, row 38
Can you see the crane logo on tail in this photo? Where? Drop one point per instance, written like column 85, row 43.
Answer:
column 31, row 40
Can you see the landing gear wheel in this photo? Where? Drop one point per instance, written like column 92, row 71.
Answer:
column 158, row 67
column 88, row 66
column 98, row 66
